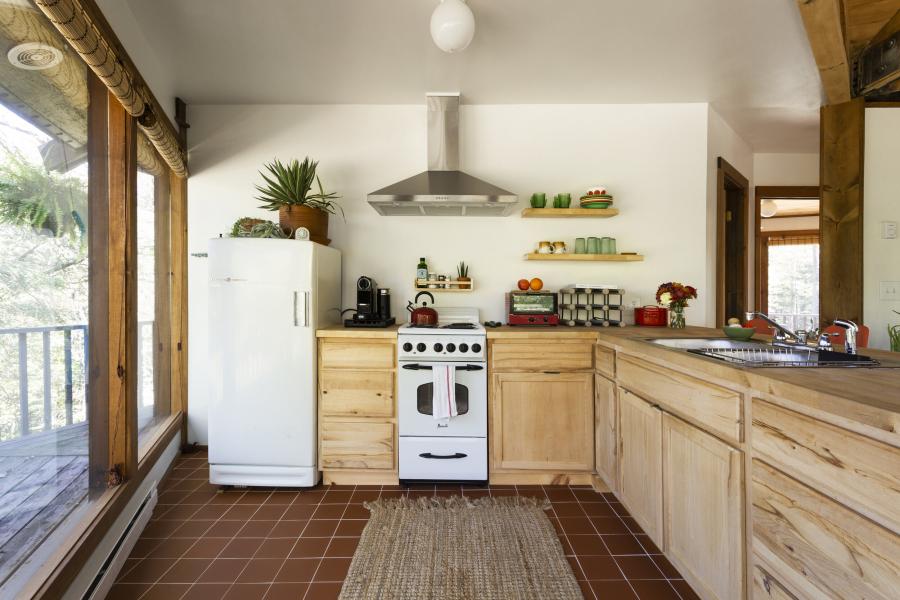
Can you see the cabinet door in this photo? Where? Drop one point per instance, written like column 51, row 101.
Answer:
column 543, row 421
column 640, row 462
column 352, row 392
column 605, row 429
column 357, row 445
column 703, row 509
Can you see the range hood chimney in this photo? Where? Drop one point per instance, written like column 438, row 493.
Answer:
column 443, row 190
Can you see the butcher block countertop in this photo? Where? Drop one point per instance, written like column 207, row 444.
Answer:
column 869, row 398
column 339, row 331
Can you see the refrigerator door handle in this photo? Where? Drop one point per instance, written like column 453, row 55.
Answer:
column 304, row 298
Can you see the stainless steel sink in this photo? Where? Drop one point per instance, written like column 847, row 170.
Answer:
column 761, row 354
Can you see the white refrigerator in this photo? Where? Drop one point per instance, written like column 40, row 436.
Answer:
column 266, row 299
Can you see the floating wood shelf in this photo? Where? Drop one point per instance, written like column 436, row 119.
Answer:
column 542, row 213
column 456, row 286
column 586, row 257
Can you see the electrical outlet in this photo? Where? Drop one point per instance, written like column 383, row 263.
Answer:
column 635, row 302
column 890, row 290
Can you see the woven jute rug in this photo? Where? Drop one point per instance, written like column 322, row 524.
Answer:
column 456, row 548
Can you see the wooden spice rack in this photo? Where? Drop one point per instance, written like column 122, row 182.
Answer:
column 455, row 285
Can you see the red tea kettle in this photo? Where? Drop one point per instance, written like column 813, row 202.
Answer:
column 422, row 315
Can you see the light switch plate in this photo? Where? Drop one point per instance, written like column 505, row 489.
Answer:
column 889, row 290
column 889, row 230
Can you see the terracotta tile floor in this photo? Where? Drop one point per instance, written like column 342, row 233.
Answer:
column 251, row 544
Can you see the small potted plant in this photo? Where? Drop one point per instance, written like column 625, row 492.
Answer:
column 675, row 295
column 288, row 188
column 462, row 275
column 894, row 334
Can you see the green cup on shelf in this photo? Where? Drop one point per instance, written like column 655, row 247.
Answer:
column 565, row 200
column 579, row 246
column 593, row 245
column 538, row 200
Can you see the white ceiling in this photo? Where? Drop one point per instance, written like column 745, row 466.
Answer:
column 750, row 59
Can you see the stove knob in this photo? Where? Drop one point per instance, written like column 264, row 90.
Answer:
column 463, row 347
column 438, row 347
column 451, row 347
column 420, row 347
column 476, row 347
column 407, row 347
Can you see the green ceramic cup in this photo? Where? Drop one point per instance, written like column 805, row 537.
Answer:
column 565, row 200
column 538, row 200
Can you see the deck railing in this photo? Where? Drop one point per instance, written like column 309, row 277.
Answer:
column 22, row 337
column 22, row 334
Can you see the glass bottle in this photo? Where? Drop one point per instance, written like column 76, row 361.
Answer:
column 422, row 269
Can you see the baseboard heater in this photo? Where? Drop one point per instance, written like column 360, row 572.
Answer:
column 105, row 578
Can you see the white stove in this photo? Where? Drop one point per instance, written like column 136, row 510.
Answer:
column 452, row 449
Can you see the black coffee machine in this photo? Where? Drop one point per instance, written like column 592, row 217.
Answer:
column 373, row 305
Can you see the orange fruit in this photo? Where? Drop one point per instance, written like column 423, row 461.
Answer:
column 536, row 284
column 523, row 284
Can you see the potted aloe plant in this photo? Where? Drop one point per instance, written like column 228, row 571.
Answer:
column 288, row 189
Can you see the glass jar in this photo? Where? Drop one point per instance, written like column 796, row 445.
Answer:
column 676, row 317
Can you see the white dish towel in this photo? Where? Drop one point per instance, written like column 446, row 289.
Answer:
column 444, row 397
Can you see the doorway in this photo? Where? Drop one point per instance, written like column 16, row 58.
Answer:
column 731, row 242
column 787, row 254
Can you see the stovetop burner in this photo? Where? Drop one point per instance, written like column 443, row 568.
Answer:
column 448, row 326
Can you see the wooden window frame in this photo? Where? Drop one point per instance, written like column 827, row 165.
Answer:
column 760, row 271
column 112, row 400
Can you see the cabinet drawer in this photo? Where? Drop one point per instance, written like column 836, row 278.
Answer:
column 767, row 587
column 715, row 407
column 357, row 445
column 822, row 543
column 860, row 472
column 351, row 354
column 534, row 356
column 350, row 392
column 605, row 360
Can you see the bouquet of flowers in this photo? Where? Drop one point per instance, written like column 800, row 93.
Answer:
column 675, row 296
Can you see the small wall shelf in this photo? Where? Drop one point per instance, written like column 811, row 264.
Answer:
column 586, row 257
column 456, row 286
column 543, row 213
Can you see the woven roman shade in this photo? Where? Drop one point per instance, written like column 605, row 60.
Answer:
column 76, row 25
column 792, row 240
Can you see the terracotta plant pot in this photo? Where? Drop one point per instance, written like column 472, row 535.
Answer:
column 290, row 217
column 466, row 285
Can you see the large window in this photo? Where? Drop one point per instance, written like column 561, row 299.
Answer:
column 86, row 295
column 44, row 286
column 153, row 302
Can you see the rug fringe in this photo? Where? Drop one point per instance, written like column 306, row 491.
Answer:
column 454, row 503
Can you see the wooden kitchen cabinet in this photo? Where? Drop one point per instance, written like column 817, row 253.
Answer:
column 542, row 422
column 605, row 442
column 640, row 463
column 357, row 410
column 703, row 509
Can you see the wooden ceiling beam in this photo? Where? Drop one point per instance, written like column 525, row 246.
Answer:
column 824, row 23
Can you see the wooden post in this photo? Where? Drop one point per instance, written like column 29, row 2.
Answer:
column 178, row 198
column 841, row 212
column 24, row 419
column 48, row 381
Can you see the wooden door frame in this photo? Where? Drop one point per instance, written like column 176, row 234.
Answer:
column 726, row 173
column 762, row 192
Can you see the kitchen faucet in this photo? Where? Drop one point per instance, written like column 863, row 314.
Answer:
column 781, row 332
column 850, row 335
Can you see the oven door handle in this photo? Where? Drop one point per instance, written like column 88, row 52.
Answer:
column 418, row 367
column 443, row 456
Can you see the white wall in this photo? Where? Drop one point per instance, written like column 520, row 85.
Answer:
column 786, row 169
column 723, row 142
column 653, row 158
column 881, row 258
column 158, row 73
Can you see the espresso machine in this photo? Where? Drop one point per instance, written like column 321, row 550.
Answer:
column 373, row 305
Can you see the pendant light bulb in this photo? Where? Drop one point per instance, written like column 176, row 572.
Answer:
column 768, row 208
column 452, row 25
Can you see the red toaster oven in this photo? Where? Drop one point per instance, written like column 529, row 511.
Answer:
column 532, row 308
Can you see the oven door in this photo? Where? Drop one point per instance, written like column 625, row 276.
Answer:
column 415, row 395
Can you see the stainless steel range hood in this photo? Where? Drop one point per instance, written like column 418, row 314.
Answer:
column 443, row 190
